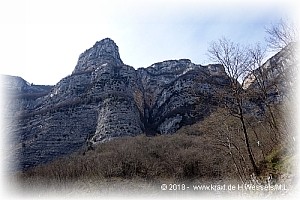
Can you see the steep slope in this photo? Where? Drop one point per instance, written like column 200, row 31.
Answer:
column 179, row 92
column 277, row 76
column 104, row 98
column 23, row 93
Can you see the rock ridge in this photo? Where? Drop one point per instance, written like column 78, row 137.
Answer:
column 104, row 98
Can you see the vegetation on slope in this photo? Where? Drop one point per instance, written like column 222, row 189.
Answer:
column 209, row 151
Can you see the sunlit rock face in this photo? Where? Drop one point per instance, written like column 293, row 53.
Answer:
column 277, row 76
column 103, row 52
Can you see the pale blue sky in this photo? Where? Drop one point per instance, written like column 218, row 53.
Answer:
column 42, row 40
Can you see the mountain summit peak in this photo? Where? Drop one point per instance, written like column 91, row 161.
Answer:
column 103, row 51
column 106, row 40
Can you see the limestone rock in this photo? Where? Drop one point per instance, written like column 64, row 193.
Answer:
column 277, row 75
column 102, row 53
column 104, row 98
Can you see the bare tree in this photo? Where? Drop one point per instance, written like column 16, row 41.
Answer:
column 274, row 77
column 235, row 60
column 281, row 34
column 225, row 140
column 259, row 73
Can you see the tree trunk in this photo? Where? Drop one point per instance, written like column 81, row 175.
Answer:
column 251, row 157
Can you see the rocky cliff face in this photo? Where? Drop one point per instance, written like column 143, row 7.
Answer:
column 277, row 76
column 20, row 95
column 104, row 98
column 178, row 93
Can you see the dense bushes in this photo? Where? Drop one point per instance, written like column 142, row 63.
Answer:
column 210, row 150
column 177, row 157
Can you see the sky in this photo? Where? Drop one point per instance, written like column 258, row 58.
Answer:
column 42, row 40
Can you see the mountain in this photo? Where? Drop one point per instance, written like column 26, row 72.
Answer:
column 104, row 98
column 277, row 74
column 21, row 95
